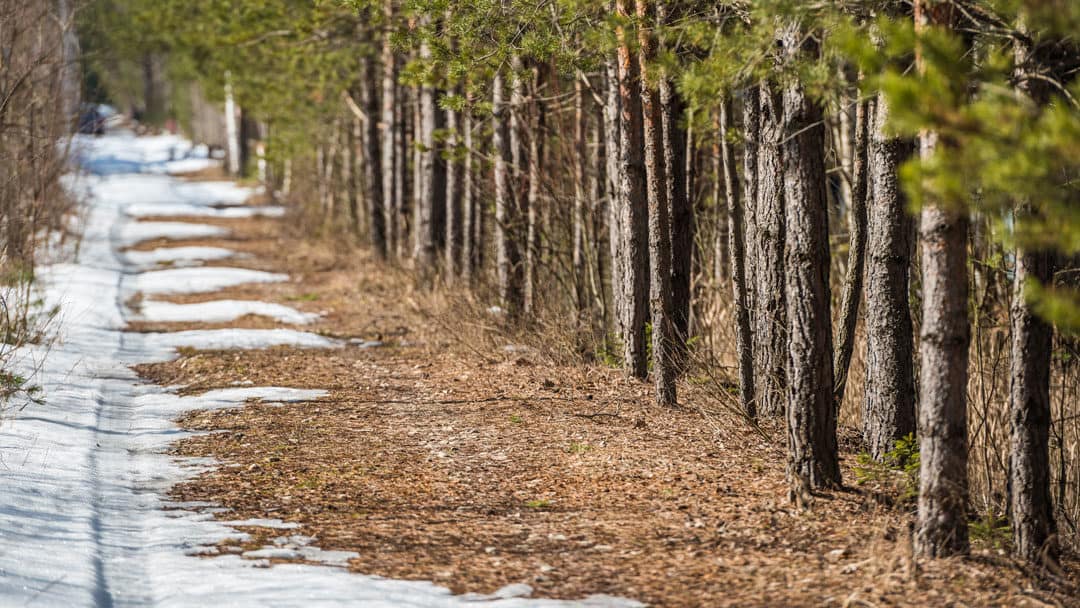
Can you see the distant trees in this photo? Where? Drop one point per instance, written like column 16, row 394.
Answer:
column 590, row 160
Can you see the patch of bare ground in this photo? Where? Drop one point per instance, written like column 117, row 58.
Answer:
column 443, row 456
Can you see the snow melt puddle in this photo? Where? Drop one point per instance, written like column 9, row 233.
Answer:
column 84, row 515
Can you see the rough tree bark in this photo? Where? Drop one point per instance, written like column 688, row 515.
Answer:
column 813, row 458
column 1030, row 507
column 942, row 527
column 680, row 211
column 888, row 410
column 664, row 346
column 751, row 132
column 743, row 337
column 633, row 211
column 770, row 313
column 853, row 282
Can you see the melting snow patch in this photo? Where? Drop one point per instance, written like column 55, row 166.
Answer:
column 269, row 394
column 360, row 342
column 303, row 551
column 187, row 209
column 199, row 280
column 275, row 524
column 222, row 339
column 136, row 232
column 221, row 310
column 180, row 256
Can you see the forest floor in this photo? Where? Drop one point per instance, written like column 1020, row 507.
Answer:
column 448, row 450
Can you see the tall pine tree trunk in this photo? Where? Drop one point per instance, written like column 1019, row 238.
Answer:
column 889, row 406
column 598, row 211
column 743, row 337
column 579, row 228
column 454, row 201
column 664, row 341
column 389, row 134
column 633, row 211
column 853, row 282
column 429, row 228
column 942, row 527
column 751, row 132
column 423, row 224
column 613, row 187
column 472, row 223
column 1030, row 507
column 507, row 252
column 680, row 211
column 519, row 159
column 372, row 169
column 813, row 458
column 533, row 217
column 770, row 309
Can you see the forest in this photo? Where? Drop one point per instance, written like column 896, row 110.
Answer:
column 846, row 233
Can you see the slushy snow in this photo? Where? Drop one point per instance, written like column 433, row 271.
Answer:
column 84, row 515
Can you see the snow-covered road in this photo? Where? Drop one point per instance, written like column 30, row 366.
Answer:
column 84, row 518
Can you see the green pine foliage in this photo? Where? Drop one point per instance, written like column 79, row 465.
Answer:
column 291, row 61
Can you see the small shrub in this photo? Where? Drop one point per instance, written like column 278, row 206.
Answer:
column 899, row 468
column 607, row 352
column 992, row 530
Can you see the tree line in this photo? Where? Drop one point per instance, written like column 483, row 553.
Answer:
column 874, row 180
